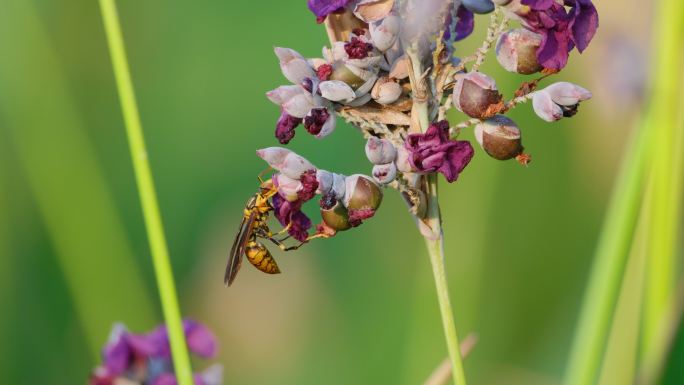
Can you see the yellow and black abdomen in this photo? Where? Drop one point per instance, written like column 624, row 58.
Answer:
column 259, row 256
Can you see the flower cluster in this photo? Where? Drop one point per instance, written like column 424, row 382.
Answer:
column 345, row 201
column 145, row 359
column 391, row 71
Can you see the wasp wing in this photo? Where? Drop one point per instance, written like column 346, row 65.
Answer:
column 238, row 249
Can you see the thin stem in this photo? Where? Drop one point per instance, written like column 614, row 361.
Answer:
column 436, row 251
column 146, row 190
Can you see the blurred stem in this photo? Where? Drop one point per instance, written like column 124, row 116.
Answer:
column 616, row 236
column 148, row 198
column 666, row 171
column 609, row 263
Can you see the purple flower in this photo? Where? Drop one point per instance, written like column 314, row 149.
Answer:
column 290, row 214
column 285, row 128
column 199, row 338
column 125, row 350
column 322, row 8
column 561, row 29
column 433, row 151
column 170, row 379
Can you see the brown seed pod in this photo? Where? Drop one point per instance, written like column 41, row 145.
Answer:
column 516, row 51
column 499, row 137
column 476, row 95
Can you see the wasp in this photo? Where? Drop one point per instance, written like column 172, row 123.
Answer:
column 254, row 226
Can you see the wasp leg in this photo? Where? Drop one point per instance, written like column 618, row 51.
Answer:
column 261, row 174
column 278, row 242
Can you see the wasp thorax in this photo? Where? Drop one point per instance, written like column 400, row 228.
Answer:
column 380, row 151
column 476, row 95
column 334, row 214
column 362, row 197
column 499, row 137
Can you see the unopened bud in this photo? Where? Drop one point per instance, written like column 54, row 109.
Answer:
column 386, row 91
column 499, row 137
column 294, row 66
column 380, row 151
column 385, row 173
column 384, row 33
column 476, row 95
column 516, row 51
column 362, row 197
column 294, row 166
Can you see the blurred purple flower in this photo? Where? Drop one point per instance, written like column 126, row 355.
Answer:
column 200, row 339
column 433, row 151
column 125, row 349
column 170, row 379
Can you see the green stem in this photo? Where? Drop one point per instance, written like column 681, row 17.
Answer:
column 148, row 198
column 665, row 171
column 436, row 251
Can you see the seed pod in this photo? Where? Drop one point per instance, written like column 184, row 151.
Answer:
column 479, row 6
column 362, row 197
column 386, row 91
column 334, row 214
column 499, row 137
column 516, row 51
column 385, row 173
column 476, row 95
column 380, row 151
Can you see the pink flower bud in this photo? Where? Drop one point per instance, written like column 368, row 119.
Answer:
column 402, row 162
column 545, row 108
column 516, row 51
column 295, row 100
column 274, row 156
column 567, row 94
column 384, row 173
column 380, row 151
column 294, row 166
column 476, row 95
column 294, row 66
column 386, row 91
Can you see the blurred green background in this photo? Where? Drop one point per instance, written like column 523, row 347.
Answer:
column 356, row 309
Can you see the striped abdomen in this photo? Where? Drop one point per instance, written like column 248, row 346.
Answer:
column 259, row 256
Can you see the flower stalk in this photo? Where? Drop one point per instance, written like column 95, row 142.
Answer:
column 146, row 190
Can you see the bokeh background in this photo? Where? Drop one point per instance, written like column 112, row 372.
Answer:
column 356, row 309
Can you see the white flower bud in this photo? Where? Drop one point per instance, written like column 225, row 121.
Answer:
column 567, row 94
column 544, row 106
column 386, row 91
column 294, row 66
column 287, row 187
column 380, row 151
column 336, row 91
column 384, row 173
column 325, row 182
column 274, row 156
column 294, row 166
column 339, row 186
column 384, row 33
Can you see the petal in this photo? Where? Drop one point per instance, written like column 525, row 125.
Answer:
column 294, row 166
column 458, row 157
column 299, row 105
column 567, row 94
column 285, row 127
column 201, row 340
column 465, row 23
column 336, row 91
column 373, row 10
column 322, row 8
column 283, row 93
column 553, row 51
column 165, row 379
column 328, row 126
column 274, row 156
column 545, row 108
column 293, row 65
column 584, row 24
column 384, row 33
column 213, row 375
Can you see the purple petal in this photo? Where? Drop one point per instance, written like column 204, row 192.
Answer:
column 117, row 356
column 322, row 8
column 458, row 158
column 465, row 24
column 538, row 5
column 584, row 24
column 201, row 340
column 285, row 128
column 309, row 186
column 553, row 52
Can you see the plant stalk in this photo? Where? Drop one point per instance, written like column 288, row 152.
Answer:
column 148, row 197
